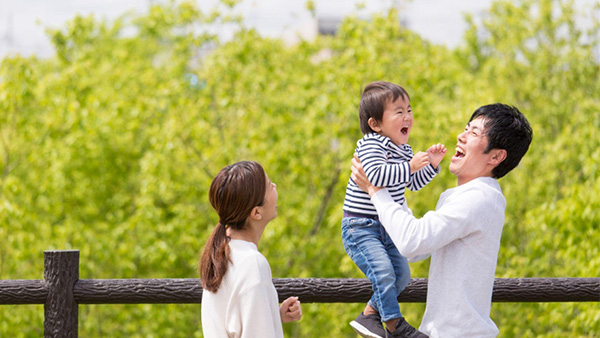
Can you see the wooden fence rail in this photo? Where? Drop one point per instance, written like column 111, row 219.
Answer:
column 61, row 291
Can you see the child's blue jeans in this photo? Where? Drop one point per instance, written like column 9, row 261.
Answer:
column 371, row 248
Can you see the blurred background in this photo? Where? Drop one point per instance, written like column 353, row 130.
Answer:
column 22, row 23
column 116, row 115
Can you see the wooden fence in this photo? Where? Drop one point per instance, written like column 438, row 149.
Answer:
column 61, row 291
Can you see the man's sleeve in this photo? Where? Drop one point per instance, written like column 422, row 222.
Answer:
column 415, row 237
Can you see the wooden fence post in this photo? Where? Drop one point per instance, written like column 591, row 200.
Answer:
column 61, row 272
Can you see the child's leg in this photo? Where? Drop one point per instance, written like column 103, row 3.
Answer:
column 362, row 239
column 369, row 310
column 401, row 270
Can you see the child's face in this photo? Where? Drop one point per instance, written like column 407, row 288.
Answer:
column 396, row 122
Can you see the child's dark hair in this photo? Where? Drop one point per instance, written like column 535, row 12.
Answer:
column 373, row 101
column 505, row 128
column 233, row 193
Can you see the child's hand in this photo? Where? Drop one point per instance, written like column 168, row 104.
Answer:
column 436, row 153
column 290, row 310
column 418, row 161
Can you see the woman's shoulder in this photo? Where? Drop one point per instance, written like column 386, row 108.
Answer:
column 249, row 268
column 246, row 255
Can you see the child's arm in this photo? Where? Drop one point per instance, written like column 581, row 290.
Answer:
column 372, row 154
column 436, row 153
column 418, row 161
column 421, row 178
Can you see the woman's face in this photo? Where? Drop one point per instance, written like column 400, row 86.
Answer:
column 270, row 204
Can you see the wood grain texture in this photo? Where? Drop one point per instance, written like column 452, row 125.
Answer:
column 310, row 290
column 329, row 290
column 61, row 272
column 23, row 291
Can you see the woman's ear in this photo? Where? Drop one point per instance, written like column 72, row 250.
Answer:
column 374, row 124
column 255, row 214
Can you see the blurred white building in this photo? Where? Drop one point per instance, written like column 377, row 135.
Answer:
column 23, row 23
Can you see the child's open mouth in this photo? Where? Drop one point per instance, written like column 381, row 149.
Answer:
column 404, row 130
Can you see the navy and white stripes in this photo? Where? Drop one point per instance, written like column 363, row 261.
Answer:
column 386, row 165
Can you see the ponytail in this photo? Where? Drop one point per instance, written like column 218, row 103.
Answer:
column 215, row 259
column 233, row 193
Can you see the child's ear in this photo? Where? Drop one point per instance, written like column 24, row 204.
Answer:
column 498, row 155
column 374, row 124
column 255, row 214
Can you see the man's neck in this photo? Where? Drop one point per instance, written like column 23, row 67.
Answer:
column 464, row 180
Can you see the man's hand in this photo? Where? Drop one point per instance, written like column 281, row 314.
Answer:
column 418, row 161
column 436, row 153
column 290, row 310
column 360, row 178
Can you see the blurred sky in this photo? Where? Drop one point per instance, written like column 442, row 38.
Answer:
column 23, row 22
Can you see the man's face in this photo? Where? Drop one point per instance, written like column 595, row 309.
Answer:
column 470, row 161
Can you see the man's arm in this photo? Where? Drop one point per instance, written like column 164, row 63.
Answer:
column 414, row 237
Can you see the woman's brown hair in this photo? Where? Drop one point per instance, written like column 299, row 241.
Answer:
column 233, row 193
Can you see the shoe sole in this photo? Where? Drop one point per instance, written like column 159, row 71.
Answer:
column 363, row 331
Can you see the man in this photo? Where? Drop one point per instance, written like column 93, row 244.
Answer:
column 463, row 234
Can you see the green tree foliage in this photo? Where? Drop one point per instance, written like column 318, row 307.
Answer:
column 109, row 148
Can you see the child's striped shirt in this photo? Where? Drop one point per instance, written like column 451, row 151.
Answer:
column 386, row 165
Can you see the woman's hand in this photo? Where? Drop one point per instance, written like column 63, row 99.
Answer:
column 360, row 178
column 290, row 310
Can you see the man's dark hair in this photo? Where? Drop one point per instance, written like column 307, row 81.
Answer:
column 373, row 101
column 505, row 128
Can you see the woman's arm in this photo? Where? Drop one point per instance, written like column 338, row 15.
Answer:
column 257, row 314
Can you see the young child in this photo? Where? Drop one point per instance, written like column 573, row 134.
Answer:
column 385, row 120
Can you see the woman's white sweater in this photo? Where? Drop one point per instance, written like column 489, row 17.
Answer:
column 246, row 304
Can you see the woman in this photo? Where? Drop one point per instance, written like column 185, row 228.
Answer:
column 239, row 298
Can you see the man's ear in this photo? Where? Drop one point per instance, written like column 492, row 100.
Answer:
column 255, row 214
column 374, row 124
column 498, row 155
